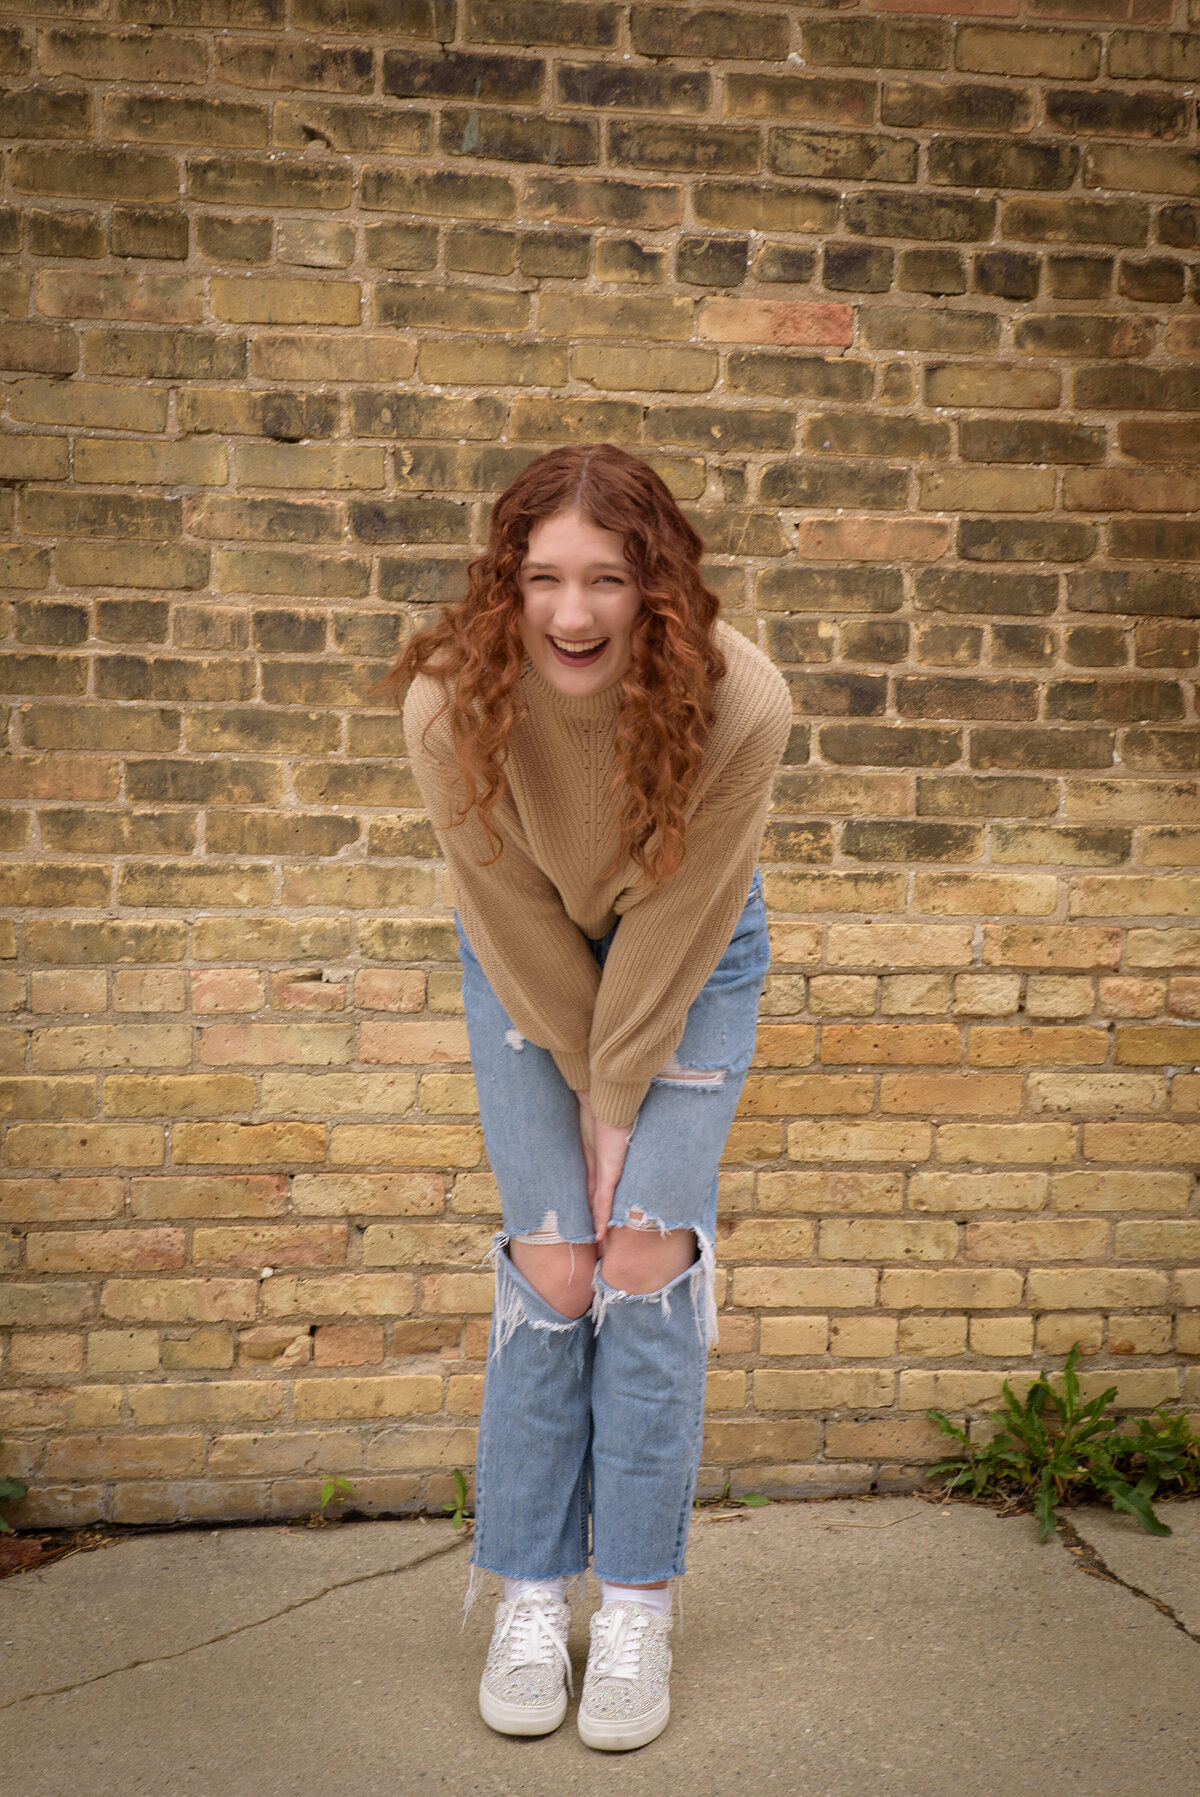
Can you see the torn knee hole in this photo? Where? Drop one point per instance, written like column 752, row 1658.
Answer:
column 673, row 1073
column 514, row 1038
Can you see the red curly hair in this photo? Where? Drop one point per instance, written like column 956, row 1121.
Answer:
column 667, row 701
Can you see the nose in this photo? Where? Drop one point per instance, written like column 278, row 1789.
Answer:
column 573, row 613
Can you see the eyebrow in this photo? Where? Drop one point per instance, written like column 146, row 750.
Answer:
column 622, row 567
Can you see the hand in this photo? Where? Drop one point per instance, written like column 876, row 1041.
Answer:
column 604, row 1148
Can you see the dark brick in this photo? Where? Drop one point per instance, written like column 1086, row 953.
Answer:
column 720, row 428
column 1161, row 751
column 45, row 112
column 721, row 149
column 1008, row 274
column 451, row 192
column 872, row 639
column 289, row 632
column 998, row 162
column 1146, row 441
column 1052, row 750
column 1114, row 701
column 164, row 355
column 895, row 839
column 578, row 200
column 1154, row 540
column 1095, row 646
column 827, row 591
column 542, row 22
column 563, row 253
column 65, row 233
column 811, row 481
column 44, row 621
column 1028, row 440
column 132, row 620
column 517, row 137
column 1113, row 387
column 626, row 259
column 481, row 251
column 1158, row 280
column 1052, row 220
column 152, row 231
column 1071, row 333
column 967, row 795
column 932, row 271
column 867, row 433
column 1135, row 592
column 987, row 593
column 220, row 238
column 858, row 267
column 711, row 261
column 463, row 75
column 785, row 262
column 603, row 85
column 1178, row 224
column 798, row 640
column 202, row 781
column 936, row 328
column 724, row 34
column 943, row 217
column 809, row 842
column 1023, row 646
column 1079, row 277
column 11, row 225
column 15, row 53
column 1100, row 113
column 402, row 246
column 372, row 130
column 877, row 43
column 944, row 696
column 257, row 181
column 1025, row 540
column 293, row 63
column 956, row 106
column 799, row 376
column 94, row 173
column 1163, row 644
column 950, row 645
column 889, row 745
column 841, row 156
column 840, row 695
column 410, row 520
column 59, row 512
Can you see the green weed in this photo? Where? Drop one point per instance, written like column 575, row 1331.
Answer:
column 1084, row 1456
column 10, row 1491
column 459, row 1507
column 334, row 1490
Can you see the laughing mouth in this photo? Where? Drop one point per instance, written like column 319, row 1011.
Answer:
column 579, row 651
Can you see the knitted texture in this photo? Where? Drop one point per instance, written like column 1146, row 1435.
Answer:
column 526, row 915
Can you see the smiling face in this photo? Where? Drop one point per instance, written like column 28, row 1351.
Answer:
column 579, row 599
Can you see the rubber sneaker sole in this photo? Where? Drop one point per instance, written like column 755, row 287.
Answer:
column 520, row 1718
column 618, row 1736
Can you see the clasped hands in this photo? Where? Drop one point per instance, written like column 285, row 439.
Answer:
column 604, row 1147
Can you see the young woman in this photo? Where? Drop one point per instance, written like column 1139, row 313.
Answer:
column 595, row 750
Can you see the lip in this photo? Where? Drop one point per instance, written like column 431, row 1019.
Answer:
column 577, row 661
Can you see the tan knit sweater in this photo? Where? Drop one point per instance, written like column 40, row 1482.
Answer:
column 528, row 914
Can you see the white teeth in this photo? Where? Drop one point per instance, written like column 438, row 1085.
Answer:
column 578, row 648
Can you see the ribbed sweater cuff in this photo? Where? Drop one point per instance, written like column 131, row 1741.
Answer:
column 618, row 1101
column 575, row 1068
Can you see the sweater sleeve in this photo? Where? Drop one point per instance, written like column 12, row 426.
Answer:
column 672, row 936
column 536, row 960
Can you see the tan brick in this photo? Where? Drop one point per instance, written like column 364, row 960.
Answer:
column 105, row 1250
column 1036, row 1046
column 389, row 989
column 934, row 1336
column 955, row 1389
column 823, row 1389
column 208, row 1401
column 1163, row 948
column 847, row 995
column 863, row 1338
column 120, row 1352
column 279, row 1245
column 417, row 1445
column 177, row 1095
column 348, row 1344
column 124, row 1456
column 1141, row 1142
column 794, row 1335
column 202, row 1350
column 424, row 1244
column 1139, row 1335
column 870, row 1141
column 942, row 1094
column 77, row 1407
column 1045, row 1238
column 1054, row 946
column 735, row 1442
column 349, row 1294
column 902, row 1437
column 1092, row 1288
column 791, row 1192
column 445, row 1294
column 930, row 1191
column 57, row 1200
column 898, row 945
column 50, row 1354
column 87, row 1145
column 771, row 1288
column 229, row 1144
column 1115, row 1093
column 393, row 1394
column 868, row 1238
column 368, row 1194
column 949, row 1288
column 1006, row 1143
column 986, row 994
column 227, row 989
column 1173, row 1238
column 725, row 1389
column 290, row 1451
column 1059, row 995
column 755, row 1238
column 179, row 1300
column 405, row 1144
column 813, row 1094
column 1106, row 1189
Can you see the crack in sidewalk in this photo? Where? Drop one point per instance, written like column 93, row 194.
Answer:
column 1089, row 1559
column 360, row 1578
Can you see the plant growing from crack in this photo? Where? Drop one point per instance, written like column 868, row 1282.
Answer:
column 10, row 1491
column 334, row 1490
column 1035, row 1467
column 749, row 1500
column 459, row 1506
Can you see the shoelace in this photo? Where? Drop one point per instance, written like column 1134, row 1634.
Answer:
column 532, row 1638
column 618, row 1651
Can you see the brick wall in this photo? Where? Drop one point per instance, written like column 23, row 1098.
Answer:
column 902, row 302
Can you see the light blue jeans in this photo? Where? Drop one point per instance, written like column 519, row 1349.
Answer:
column 601, row 1417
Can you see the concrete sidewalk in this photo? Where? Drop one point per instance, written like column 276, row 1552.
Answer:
column 890, row 1646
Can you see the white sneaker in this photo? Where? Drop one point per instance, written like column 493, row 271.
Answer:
column 625, row 1700
column 523, row 1688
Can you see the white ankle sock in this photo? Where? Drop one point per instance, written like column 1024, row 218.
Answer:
column 518, row 1587
column 656, row 1599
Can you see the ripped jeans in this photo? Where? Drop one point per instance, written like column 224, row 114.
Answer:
column 599, row 1420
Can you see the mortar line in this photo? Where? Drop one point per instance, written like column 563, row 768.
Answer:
column 1091, row 1561
column 178, row 1653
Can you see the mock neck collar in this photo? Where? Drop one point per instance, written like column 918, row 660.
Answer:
column 539, row 691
